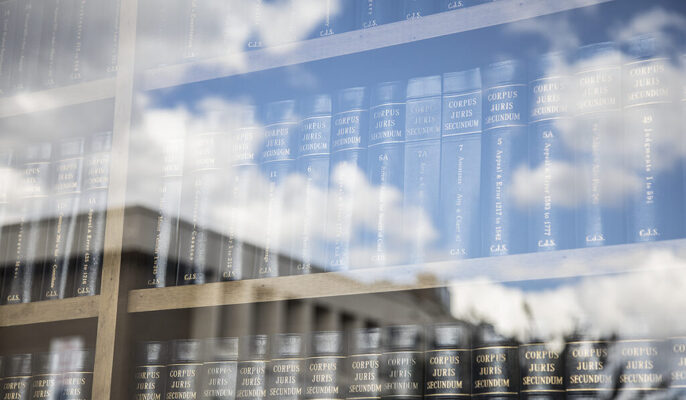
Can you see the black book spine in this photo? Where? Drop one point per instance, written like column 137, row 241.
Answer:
column 48, row 54
column 286, row 368
column 541, row 372
column 163, row 265
column 677, row 367
column 77, row 379
column 402, row 364
column 8, row 18
column 16, row 382
column 30, row 237
column 70, row 41
column 252, row 380
column 641, row 368
column 27, row 37
column 183, row 373
column 495, row 373
column 324, row 368
column 219, row 380
column 364, row 380
column 91, row 241
column 448, row 373
column 101, row 46
column 586, row 368
column 150, row 372
column 6, row 163
column 67, row 170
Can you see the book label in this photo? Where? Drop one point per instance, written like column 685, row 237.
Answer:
column 448, row 373
column 323, row 378
column 182, row 380
column 641, row 370
column 365, row 381
column 402, row 375
column 149, row 382
column 252, row 384
column 586, row 368
column 285, row 379
column 495, row 372
column 76, row 385
column 677, row 365
column 541, row 370
column 219, row 380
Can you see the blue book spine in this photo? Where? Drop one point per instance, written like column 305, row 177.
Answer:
column 339, row 17
column 422, row 167
column 27, row 39
column 30, row 238
column 198, row 254
column 67, row 174
column 385, row 168
column 8, row 22
column 460, row 227
column 414, row 9
column 552, row 210
column 91, row 244
column 448, row 5
column 504, row 219
column 655, row 209
column 348, row 171
column 600, row 214
column 314, row 149
column 162, row 271
column 237, row 257
column 277, row 157
column 371, row 13
column 255, row 12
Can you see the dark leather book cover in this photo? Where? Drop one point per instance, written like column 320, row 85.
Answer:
column 17, row 379
column 324, row 367
column 9, row 11
column 495, row 365
column 62, row 233
column 29, row 25
column 91, row 239
column 101, row 46
column 286, row 368
column 47, row 375
column 541, row 367
column 150, row 371
column 7, row 162
column 587, row 369
column 448, row 362
column 402, row 362
column 220, row 369
column 253, row 358
column 363, row 364
column 77, row 378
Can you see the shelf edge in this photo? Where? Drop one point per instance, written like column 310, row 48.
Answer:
column 49, row 311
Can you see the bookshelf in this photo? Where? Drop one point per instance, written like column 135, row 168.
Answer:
column 49, row 311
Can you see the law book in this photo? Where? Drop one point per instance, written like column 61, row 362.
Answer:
column 220, row 369
column 460, row 174
column 504, row 151
column 415, row 9
column 641, row 367
column 90, row 247
column 314, row 149
column 587, row 369
column 677, row 366
column 655, row 209
column 541, row 367
column 324, row 367
column 600, row 216
column 62, row 231
column 8, row 18
column 101, row 49
column 46, row 381
column 51, row 42
column 199, row 249
column 371, row 13
column 385, row 168
column 277, row 162
column 422, row 167
column 363, row 364
column 402, row 363
column 77, row 378
column 159, row 33
column 494, row 365
column 28, row 247
column 162, row 268
column 448, row 361
column 183, row 370
column 339, row 17
column 150, row 370
column 348, row 168
column 7, row 162
column 238, row 256
column 286, row 367
column 448, row 5
column 254, row 10
column 16, row 383
column 27, row 47
column 253, row 357
column 552, row 209
column 70, row 41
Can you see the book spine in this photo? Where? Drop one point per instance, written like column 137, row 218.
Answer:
column 49, row 44
column 495, row 372
column 677, row 366
column 385, row 167
column 252, row 380
column 77, row 380
column 163, row 265
column 91, row 244
column 402, row 368
column 30, row 239
column 504, row 150
column 197, row 255
column 641, row 372
column 655, row 209
column 27, row 44
column 8, row 17
column 448, row 373
column 237, row 255
column 600, row 217
column 552, row 211
column 16, row 382
column 286, row 368
column 422, row 166
column 460, row 174
column 150, row 371
column 371, row 13
column 277, row 163
column 448, row 5
column 6, row 171
column 415, row 9
column 219, row 380
column 339, row 18
column 70, row 38
column 363, row 367
column 313, row 163
column 183, row 371
column 68, row 170
column 45, row 383
column 542, row 371
column 587, row 372
column 324, row 368
column 256, row 21
column 101, row 46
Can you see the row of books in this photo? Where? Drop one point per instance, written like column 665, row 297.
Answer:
column 195, row 30
column 479, row 170
column 53, row 204
column 448, row 360
column 49, row 43
column 54, row 375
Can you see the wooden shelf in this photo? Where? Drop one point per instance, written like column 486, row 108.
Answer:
column 25, row 103
column 446, row 23
column 49, row 311
column 525, row 267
